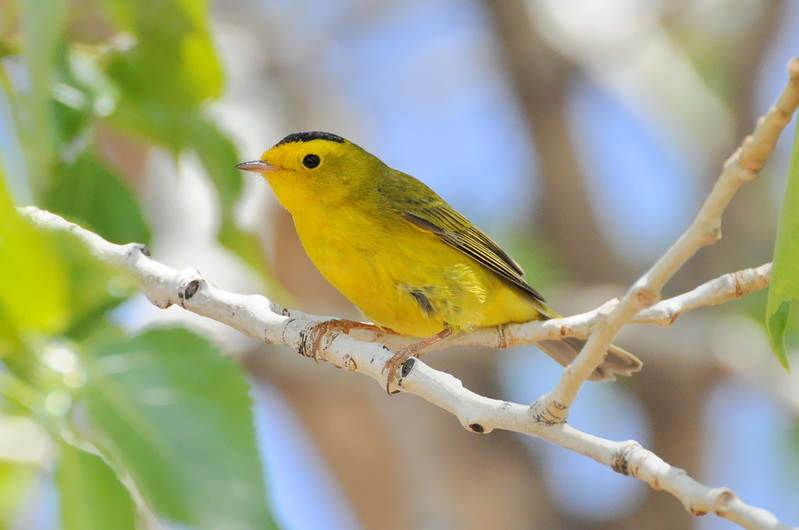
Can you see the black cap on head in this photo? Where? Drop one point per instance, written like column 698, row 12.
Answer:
column 311, row 135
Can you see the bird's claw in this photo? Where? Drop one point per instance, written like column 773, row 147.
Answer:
column 414, row 350
column 393, row 365
column 329, row 328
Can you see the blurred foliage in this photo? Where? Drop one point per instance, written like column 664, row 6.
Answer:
column 91, row 494
column 91, row 193
column 134, row 427
column 538, row 258
column 36, row 299
column 176, row 414
column 784, row 288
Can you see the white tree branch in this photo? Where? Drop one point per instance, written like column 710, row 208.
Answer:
column 730, row 286
column 742, row 167
column 258, row 317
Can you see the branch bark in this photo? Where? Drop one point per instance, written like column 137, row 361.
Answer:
column 258, row 317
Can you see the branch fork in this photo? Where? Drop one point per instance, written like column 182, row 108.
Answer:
column 742, row 167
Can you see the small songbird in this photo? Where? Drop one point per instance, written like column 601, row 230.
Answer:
column 407, row 259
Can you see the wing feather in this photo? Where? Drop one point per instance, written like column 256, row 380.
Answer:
column 422, row 207
column 456, row 231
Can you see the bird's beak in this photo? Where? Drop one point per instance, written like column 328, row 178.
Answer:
column 258, row 166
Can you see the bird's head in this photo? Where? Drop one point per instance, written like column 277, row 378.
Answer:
column 315, row 166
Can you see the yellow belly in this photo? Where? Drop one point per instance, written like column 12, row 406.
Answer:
column 408, row 280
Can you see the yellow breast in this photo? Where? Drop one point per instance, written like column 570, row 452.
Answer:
column 405, row 279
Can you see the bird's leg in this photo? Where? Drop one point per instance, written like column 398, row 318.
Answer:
column 345, row 326
column 342, row 326
column 413, row 350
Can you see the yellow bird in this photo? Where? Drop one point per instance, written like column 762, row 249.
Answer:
column 407, row 259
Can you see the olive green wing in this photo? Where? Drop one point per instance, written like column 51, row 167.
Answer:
column 433, row 214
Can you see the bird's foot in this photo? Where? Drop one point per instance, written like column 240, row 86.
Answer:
column 414, row 350
column 324, row 329
column 394, row 364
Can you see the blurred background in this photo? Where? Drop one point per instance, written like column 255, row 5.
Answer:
column 582, row 136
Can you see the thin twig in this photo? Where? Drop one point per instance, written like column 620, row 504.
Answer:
column 730, row 286
column 742, row 167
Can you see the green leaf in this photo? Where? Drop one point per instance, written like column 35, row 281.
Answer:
column 169, row 74
column 173, row 61
column 33, row 290
column 92, row 497
column 176, row 415
column 784, row 288
column 90, row 193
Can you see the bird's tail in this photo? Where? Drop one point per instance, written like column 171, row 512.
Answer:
column 617, row 360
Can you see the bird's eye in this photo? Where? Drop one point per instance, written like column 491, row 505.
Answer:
column 311, row 161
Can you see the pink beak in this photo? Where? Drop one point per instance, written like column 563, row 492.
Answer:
column 258, row 166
